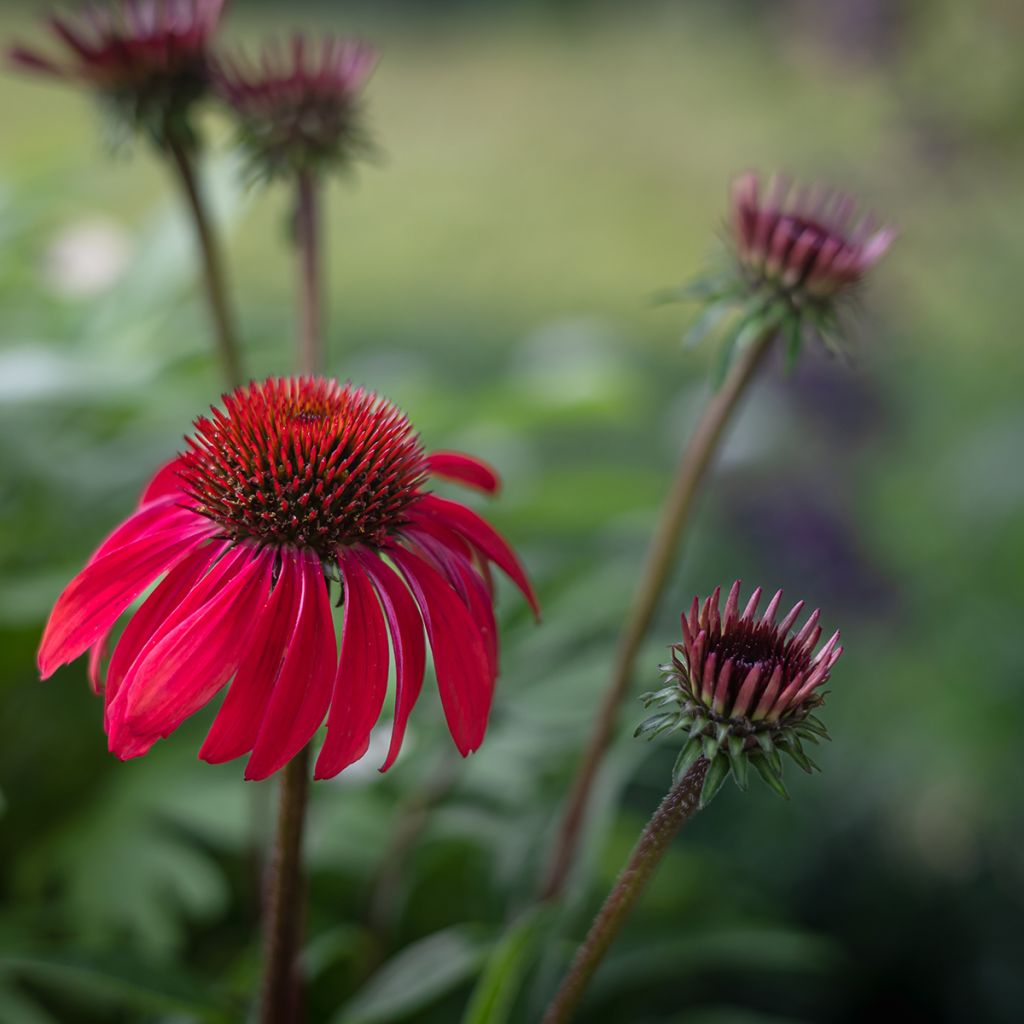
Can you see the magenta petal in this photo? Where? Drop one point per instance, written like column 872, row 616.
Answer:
column 470, row 586
column 95, row 598
column 406, row 628
column 482, row 535
column 165, row 484
column 163, row 515
column 97, row 653
column 362, row 680
column 460, row 656
column 303, row 689
column 237, row 725
column 155, row 611
column 181, row 672
column 464, row 469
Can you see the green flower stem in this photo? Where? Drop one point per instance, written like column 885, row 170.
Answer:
column 310, row 306
column 214, row 279
column 659, row 562
column 282, row 987
column 674, row 811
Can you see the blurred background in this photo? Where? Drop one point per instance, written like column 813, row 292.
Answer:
column 544, row 168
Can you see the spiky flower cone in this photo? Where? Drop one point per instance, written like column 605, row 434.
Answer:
column 742, row 690
column 799, row 253
column 298, row 109
column 146, row 59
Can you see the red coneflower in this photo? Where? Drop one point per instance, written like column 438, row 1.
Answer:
column 743, row 689
column 294, row 484
column 298, row 107
column 148, row 58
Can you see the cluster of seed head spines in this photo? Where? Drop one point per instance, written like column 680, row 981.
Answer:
column 808, row 241
column 299, row 108
column 305, row 463
column 742, row 689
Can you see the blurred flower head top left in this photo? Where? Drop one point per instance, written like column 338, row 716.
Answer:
column 294, row 487
column 146, row 60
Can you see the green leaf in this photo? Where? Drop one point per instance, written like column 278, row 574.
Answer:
column 416, row 977
column 494, row 996
column 655, row 724
column 791, row 745
column 713, row 781
column 767, row 773
column 708, row 321
column 793, row 329
column 120, row 980
column 687, row 757
column 738, row 760
column 767, row 745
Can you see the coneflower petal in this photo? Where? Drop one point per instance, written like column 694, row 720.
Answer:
column 483, row 536
column 362, row 680
column 155, row 611
column 464, row 469
column 406, row 627
column 460, row 655
column 303, row 690
column 97, row 596
column 184, row 670
column 237, row 725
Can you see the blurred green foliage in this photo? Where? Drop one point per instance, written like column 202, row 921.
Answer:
column 546, row 170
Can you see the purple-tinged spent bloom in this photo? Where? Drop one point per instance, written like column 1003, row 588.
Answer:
column 742, row 689
column 298, row 108
column 806, row 242
column 797, row 254
column 146, row 59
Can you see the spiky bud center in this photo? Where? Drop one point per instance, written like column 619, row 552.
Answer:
column 306, row 463
column 742, row 688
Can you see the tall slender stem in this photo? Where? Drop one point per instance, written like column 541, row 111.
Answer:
column 659, row 561
column 214, row 280
column 677, row 807
column 283, row 914
column 310, row 308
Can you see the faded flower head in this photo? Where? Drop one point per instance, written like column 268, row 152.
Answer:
column 742, row 689
column 294, row 489
column 798, row 253
column 146, row 59
column 805, row 242
column 298, row 108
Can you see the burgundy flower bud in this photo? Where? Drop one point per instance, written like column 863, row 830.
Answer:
column 742, row 689
column 798, row 253
column 146, row 59
column 298, row 109
column 804, row 241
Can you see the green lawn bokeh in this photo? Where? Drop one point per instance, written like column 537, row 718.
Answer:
column 544, row 170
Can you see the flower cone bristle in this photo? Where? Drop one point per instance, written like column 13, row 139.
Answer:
column 742, row 690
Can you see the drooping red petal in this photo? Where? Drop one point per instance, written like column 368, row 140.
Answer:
column 460, row 573
column 165, row 484
column 465, row 469
column 303, row 689
column 161, row 515
column 482, row 535
column 184, row 670
column 237, row 725
column 406, row 628
column 460, row 655
column 155, row 611
column 95, row 598
column 362, row 680
column 97, row 653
